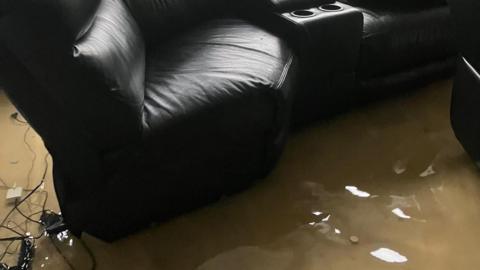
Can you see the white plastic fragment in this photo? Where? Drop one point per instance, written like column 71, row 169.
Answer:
column 388, row 255
column 359, row 193
column 399, row 213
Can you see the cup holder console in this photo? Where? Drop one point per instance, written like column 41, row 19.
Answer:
column 303, row 13
column 330, row 7
column 308, row 13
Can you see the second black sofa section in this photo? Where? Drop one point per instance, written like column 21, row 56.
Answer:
column 356, row 51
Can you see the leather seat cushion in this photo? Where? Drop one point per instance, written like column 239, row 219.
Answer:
column 218, row 97
column 402, row 38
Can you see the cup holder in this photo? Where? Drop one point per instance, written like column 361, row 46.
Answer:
column 303, row 13
column 330, row 7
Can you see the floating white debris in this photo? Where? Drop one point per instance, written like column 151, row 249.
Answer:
column 429, row 171
column 317, row 213
column 388, row 255
column 359, row 193
column 337, row 231
column 311, row 223
column 326, row 218
column 399, row 213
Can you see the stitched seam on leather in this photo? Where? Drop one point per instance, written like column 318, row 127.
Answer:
column 286, row 68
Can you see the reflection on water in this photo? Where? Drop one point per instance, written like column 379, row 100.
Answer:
column 400, row 167
column 429, row 171
column 302, row 217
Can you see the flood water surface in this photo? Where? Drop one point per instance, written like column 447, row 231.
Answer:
column 385, row 187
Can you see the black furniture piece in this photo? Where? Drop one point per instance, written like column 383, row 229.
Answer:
column 143, row 127
column 354, row 51
column 466, row 90
column 152, row 108
column 404, row 42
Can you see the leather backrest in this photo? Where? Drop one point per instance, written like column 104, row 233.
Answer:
column 88, row 58
column 466, row 18
column 162, row 18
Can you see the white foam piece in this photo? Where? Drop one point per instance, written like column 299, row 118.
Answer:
column 356, row 192
column 388, row 255
column 399, row 213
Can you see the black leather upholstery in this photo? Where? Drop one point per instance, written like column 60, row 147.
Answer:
column 187, row 119
column 401, row 38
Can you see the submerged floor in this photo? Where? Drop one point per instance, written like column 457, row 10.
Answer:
column 385, row 187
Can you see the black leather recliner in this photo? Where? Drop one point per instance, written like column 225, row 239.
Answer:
column 142, row 127
column 151, row 108
column 466, row 90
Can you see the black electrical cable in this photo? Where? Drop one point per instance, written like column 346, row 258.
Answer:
column 33, row 153
column 27, row 217
column 24, row 234
column 15, row 116
column 17, row 203
column 12, row 230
